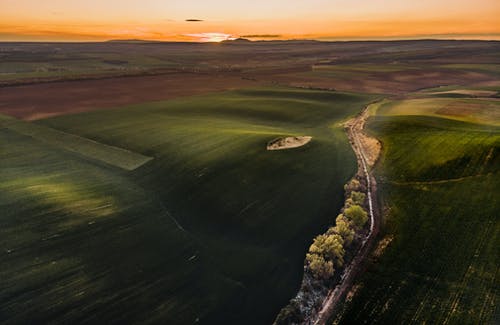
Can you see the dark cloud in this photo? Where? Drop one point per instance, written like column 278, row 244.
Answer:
column 194, row 20
column 261, row 36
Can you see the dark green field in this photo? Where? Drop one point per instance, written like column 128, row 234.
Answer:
column 213, row 229
column 439, row 178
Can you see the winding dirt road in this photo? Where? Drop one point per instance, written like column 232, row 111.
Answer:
column 359, row 143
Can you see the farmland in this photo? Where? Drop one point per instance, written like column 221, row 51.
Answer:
column 136, row 185
column 79, row 77
column 214, row 222
column 440, row 184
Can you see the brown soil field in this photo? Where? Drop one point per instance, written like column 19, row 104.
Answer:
column 41, row 100
column 398, row 82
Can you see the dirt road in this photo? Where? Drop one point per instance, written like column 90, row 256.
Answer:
column 361, row 146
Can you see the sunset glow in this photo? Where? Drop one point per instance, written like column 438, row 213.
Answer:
column 218, row 20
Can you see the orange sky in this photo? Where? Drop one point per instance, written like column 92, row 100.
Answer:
column 70, row 20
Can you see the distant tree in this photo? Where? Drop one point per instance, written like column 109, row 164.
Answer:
column 358, row 197
column 320, row 268
column 357, row 215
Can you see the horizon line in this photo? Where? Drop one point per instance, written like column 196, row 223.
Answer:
column 324, row 39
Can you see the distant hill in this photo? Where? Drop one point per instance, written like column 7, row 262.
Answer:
column 131, row 41
column 237, row 40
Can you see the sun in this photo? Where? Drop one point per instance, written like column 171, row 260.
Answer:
column 212, row 37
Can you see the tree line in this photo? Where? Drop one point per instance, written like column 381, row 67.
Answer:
column 326, row 254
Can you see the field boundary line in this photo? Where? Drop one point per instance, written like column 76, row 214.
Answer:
column 88, row 148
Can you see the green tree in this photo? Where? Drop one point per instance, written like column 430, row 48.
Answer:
column 320, row 268
column 357, row 215
column 358, row 197
column 349, row 202
column 353, row 185
column 336, row 249
column 330, row 247
column 344, row 229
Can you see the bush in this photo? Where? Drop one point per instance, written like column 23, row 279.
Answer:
column 357, row 215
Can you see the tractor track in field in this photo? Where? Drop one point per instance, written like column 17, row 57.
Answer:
column 354, row 128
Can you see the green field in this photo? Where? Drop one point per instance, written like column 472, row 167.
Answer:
column 86, row 148
column 47, row 64
column 213, row 229
column 174, row 212
column 439, row 179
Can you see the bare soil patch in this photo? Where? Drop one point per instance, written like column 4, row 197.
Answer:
column 37, row 101
column 396, row 82
column 288, row 142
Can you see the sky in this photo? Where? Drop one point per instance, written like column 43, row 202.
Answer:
column 216, row 20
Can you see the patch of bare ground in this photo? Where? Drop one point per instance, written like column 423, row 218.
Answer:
column 30, row 102
column 288, row 142
column 382, row 246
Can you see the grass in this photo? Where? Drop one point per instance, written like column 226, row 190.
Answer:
column 214, row 228
column 45, row 65
column 113, row 156
column 440, row 180
column 75, row 238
